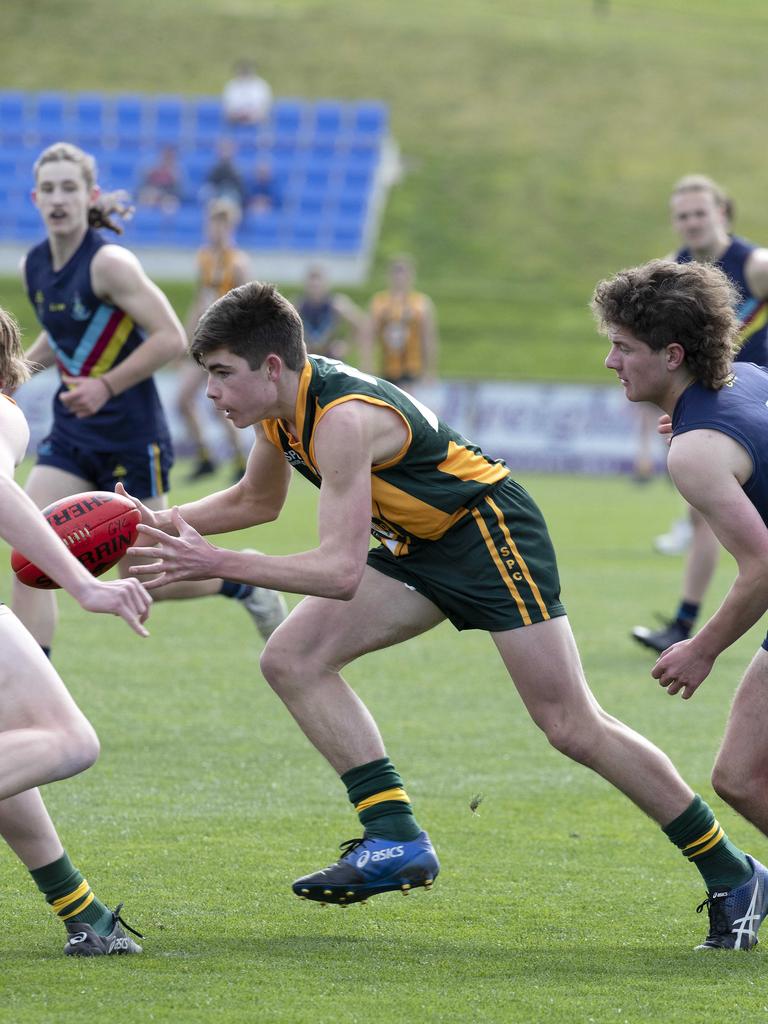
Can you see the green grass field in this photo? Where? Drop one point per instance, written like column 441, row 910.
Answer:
column 557, row 901
column 542, row 139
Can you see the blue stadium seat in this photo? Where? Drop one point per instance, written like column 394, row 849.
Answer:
column 352, row 206
column 287, row 116
column 119, row 172
column 305, row 236
column 207, row 118
column 12, row 116
column 357, row 179
column 150, row 227
column 187, row 227
column 329, row 116
column 49, row 117
column 370, row 119
column 128, row 120
column 87, row 122
column 312, row 202
column 260, row 231
column 347, row 236
column 167, row 120
column 317, row 177
column 195, row 167
column 26, row 222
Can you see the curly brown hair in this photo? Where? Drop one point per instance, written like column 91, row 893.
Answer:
column 108, row 203
column 663, row 302
column 14, row 367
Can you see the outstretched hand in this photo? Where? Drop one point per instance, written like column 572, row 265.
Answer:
column 186, row 557
column 682, row 668
column 148, row 517
column 126, row 598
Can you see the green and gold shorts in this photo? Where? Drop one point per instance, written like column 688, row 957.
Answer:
column 494, row 570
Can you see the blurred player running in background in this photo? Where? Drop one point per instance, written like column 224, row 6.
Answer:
column 401, row 334
column 107, row 328
column 221, row 266
column 324, row 314
column 43, row 734
column 701, row 215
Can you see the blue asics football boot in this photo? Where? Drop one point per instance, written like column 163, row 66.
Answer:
column 735, row 916
column 369, row 866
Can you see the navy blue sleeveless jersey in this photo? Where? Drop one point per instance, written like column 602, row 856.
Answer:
column 89, row 336
column 751, row 311
column 740, row 410
column 320, row 320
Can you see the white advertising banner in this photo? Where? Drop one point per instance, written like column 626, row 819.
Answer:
column 553, row 428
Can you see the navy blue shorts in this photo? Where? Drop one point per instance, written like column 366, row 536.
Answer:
column 142, row 470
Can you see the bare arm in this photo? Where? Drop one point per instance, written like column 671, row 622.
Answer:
column 23, row 526
column 118, row 278
column 255, row 499
column 344, row 446
column 708, row 468
column 756, row 273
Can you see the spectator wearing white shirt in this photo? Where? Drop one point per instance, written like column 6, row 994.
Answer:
column 247, row 98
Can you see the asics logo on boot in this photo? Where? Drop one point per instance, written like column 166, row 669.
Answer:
column 117, row 944
column 742, row 926
column 80, row 937
column 378, row 855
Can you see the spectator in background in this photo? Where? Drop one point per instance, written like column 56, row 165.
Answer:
column 161, row 185
column 224, row 181
column 247, row 98
column 323, row 314
column 263, row 193
column 401, row 332
column 221, row 266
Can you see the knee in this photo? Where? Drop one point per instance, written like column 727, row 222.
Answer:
column 735, row 787
column 281, row 665
column 572, row 738
column 78, row 749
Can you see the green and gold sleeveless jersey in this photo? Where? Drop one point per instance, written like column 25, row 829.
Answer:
column 430, row 485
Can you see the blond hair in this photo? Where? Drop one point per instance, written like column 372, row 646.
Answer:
column 100, row 213
column 15, row 368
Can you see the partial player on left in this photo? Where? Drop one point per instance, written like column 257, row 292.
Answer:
column 43, row 734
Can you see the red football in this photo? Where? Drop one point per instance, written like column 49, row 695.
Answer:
column 98, row 527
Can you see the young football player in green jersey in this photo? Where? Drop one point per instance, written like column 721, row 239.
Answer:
column 460, row 539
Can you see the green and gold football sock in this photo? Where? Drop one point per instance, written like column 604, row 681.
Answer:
column 700, row 838
column 70, row 896
column 376, row 791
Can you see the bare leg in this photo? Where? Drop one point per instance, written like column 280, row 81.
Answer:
column 544, row 663
column 27, row 828
column 303, row 658
column 702, row 560
column 740, row 775
column 43, row 734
